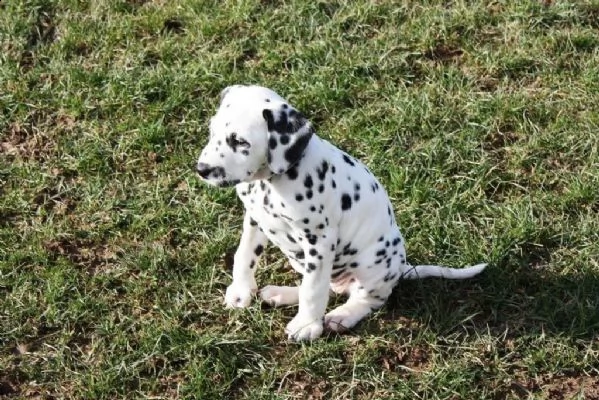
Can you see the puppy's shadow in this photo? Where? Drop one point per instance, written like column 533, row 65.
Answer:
column 518, row 295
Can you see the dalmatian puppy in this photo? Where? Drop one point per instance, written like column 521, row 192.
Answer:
column 324, row 209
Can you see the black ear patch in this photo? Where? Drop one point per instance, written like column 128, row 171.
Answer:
column 294, row 152
column 289, row 133
column 284, row 122
column 270, row 120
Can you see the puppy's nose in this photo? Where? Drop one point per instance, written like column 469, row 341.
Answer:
column 204, row 170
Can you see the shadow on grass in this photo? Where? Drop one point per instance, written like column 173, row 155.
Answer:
column 508, row 298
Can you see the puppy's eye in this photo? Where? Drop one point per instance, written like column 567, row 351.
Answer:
column 233, row 141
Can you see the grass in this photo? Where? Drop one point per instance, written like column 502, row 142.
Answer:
column 480, row 118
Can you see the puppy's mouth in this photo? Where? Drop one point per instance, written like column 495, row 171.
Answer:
column 228, row 183
column 221, row 183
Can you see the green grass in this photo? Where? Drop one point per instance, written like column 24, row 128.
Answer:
column 480, row 118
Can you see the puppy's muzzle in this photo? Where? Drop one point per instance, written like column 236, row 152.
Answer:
column 204, row 170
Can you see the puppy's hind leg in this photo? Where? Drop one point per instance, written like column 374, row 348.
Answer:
column 279, row 296
column 361, row 302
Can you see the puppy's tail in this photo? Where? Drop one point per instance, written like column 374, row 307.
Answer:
column 425, row 271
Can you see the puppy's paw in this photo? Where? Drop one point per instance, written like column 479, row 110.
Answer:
column 345, row 317
column 280, row 295
column 239, row 295
column 304, row 329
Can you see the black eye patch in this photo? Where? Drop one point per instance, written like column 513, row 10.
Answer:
column 234, row 142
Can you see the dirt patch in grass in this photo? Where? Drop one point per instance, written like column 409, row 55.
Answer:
column 504, row 135
column 90, row 255
column 558, row 387
column 51, row 200
column 33, row 138
column 403, row 359
column 565, row 387
column 26, row 141
column 11, row 383
column 304, row 385
column 173, row 26
column 443, row 53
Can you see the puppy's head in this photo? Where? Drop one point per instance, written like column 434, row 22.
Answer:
column 254, row 134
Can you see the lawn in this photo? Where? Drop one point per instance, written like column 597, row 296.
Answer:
column 480, row 118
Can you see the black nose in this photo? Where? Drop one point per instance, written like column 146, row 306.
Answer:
column 204, row 170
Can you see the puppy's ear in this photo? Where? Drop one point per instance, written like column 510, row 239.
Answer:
column 288, row 135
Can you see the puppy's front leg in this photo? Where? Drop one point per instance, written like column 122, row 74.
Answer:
column 314, row 290
column 239, row 293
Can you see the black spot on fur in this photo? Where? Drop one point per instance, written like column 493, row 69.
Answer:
column 292, row 173
column 284, row 139
column 348, row 160
column 252, row 263
column 279, row 125
column 259, row 249
column 309, row 194
column 299, row 197
column 308, row 181
column 345, row 202
column 272, row 143
column 396, row 241
column 313, row 252
column 299, row 255
column 322, row 170
column 311, row 266
column 306, row 221
column 381, row 253
column 290, row 238
column 252, row 222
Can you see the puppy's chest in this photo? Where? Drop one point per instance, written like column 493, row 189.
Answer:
column 280, row 215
